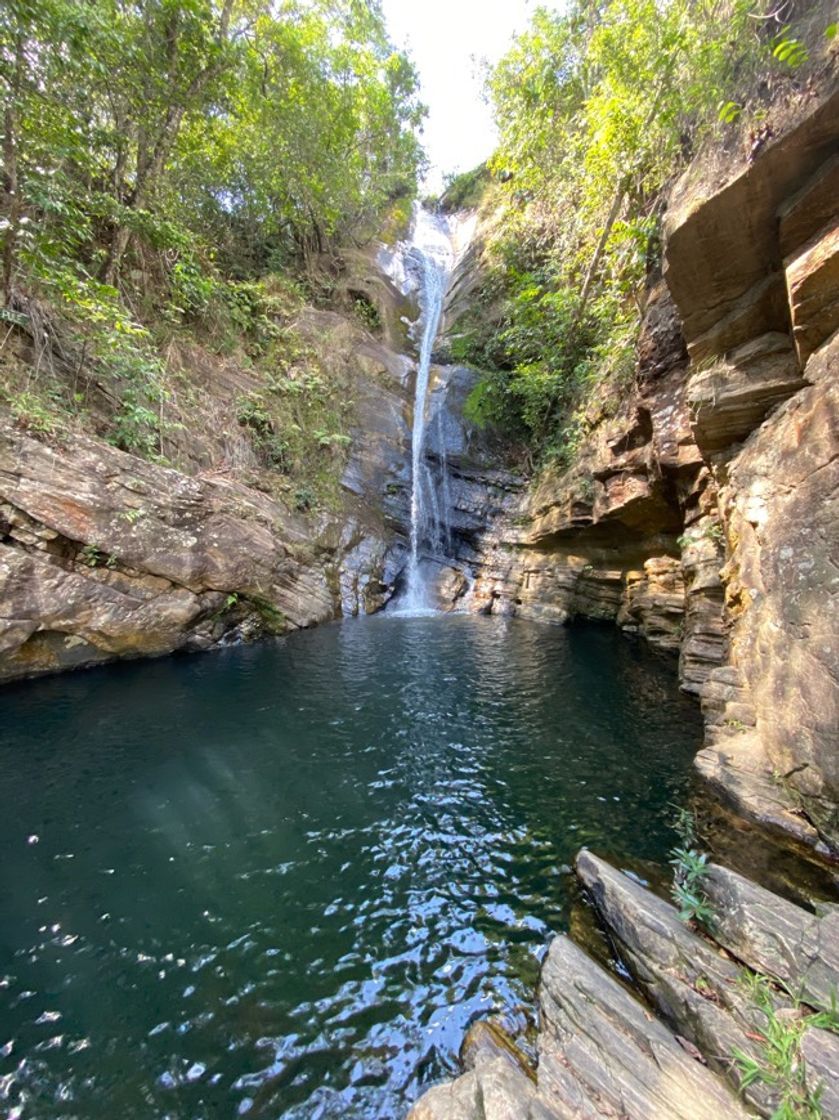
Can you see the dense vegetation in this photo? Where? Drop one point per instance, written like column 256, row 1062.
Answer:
column 599, row 108
column 169, row 168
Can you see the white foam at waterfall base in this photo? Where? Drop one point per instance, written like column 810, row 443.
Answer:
column 424, row 264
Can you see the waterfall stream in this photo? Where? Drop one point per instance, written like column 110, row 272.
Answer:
column 424, row 264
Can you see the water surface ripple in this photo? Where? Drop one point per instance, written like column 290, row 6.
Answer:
column 279, row 881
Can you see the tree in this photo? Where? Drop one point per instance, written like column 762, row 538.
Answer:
column 598, row 108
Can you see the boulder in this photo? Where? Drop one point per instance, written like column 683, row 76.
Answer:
column 774, row 936
column 624, row 1059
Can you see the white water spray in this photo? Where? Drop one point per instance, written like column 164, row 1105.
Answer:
column 424, row 264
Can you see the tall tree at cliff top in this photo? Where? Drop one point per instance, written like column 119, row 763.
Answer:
column 161, row 157
column 597, row 108
column 135, row 128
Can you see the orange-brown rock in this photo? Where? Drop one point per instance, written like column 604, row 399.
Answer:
column 813, row 282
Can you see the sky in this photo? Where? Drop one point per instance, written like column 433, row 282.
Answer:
column 447, row 39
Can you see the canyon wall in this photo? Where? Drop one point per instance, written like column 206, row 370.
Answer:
column 106, row 555
column 700, row 511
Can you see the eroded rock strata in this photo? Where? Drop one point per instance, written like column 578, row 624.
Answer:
column 105, row 555
column 603, row 1053
column 701, row 508
column 702, row 514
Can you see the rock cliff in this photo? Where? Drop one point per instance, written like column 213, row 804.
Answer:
column 106, row 555
column 700, row 511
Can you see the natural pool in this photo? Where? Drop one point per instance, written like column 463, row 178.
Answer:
column 280, row 880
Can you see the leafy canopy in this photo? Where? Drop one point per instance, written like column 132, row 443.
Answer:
column 598, row 108
column 158, row 154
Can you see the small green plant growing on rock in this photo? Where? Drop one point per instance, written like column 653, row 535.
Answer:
column 780, row 1033
column 790, row 50
column 690, row 867
column 735, row 725
column 586, row 489
column 304, row 499
column 273, row 620
column 91, row 555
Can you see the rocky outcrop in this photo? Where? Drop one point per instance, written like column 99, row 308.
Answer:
column 106, row 555
column 701, row 512
column 604, row 1052
column 703, row 516
column 765, row 418
column 630, row 533
column 775, row 937
column 600, row 1054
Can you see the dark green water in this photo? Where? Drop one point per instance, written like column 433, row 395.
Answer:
column 279, row 881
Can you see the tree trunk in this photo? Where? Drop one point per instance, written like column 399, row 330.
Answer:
column 10, row 174
column 120, row 238
column 600, row 249
column 152, row 154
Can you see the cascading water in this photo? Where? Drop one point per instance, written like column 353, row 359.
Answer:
column 424, row 264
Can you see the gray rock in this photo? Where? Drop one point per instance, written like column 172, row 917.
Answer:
column 625, row 1060
column 776, row 937
column 696, row 990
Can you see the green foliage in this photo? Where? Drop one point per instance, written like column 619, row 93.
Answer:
column 729, row 111
column 366, row 312
column 253, row 412
column 32, row 412
column 166, row 165
column 685, row 826
column 779, row 1064
column 598, row 107
column 304, row 499
column 690, row 868
column 465, row 190
column 91, row 555
column 790, row 50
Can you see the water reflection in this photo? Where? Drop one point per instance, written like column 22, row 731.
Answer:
column 281, row 880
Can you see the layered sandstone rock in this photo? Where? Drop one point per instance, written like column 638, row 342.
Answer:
column 702, row 513
column 629, row 533
column 105, row 555
column 766, row 417
column 604, row 1052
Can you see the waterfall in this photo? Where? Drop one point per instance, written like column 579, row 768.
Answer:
column 423, row 264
